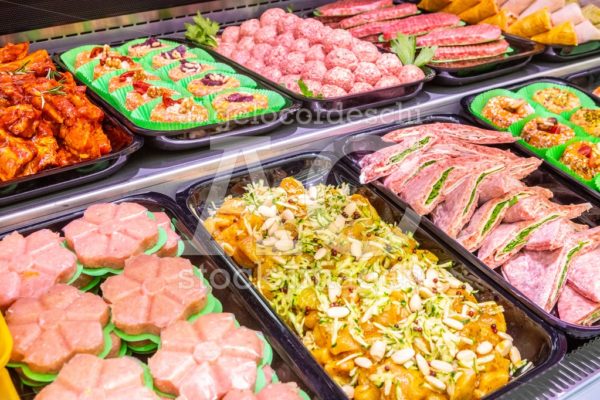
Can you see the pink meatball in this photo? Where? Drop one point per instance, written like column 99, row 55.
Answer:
column 254, row 65
column 339, row 76
column 410, row 73
column 246, row 43
column 310, row 29
column 293, row 63
column 266, row 34
column 367, row 72
column 360, row 87
column 389, row 64
column 337, row 38
column 286, row 39
column 260, row 50
column 316, row 52
column 366, row 51
column 249, row 28
column 313, row 86
column 314, row 70
column 271, row 16
column 231, row 34
column 330, row 91
column 341, row 57
column 272, row 73
column 226, row 49
column 290, row 82
column 302, row 45
column 276, row 56
column 240, row 56
column 387, row 81
column 287, row 23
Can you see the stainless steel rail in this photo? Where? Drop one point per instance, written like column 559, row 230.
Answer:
column 153, row 170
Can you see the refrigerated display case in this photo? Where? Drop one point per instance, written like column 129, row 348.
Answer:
column 58, row 26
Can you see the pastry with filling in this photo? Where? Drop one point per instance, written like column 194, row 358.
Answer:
column 129, row 78
column 212, row 83
column 230, row 105
column 141, row 49
column 583, row 158
column 556, row 100
column 180, row 110
column 143, row 92
column 188, row 68
column 544, row 133
column 588, row 119
column 503, row 111
column 170, row 56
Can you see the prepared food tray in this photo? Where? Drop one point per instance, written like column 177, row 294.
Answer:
column 520, row 218
column 553, row 119
column 568, row 29
column 327, row 70
column 151, row 329
column 462, row 54
column 175, row 94
column 320, row 251
column 588, row 80
column 55, row 137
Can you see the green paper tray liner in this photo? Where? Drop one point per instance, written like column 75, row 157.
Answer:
column 528, row 91
column 480, row 101
column 554, row 154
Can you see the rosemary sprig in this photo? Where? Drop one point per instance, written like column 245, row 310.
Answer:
column 56, row 91
column 22, row 70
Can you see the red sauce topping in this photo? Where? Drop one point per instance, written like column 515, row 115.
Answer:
column 141, row 87
column 125, row 75
column 585, row 150
column 239, row 97
column 168, row 101
column 96, row 51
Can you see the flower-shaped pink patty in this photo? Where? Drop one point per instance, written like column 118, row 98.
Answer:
column 171, row 246
column 30, row 265
column 109, row 233
column 206, row 359
column 89, row 377
column 153, row 292
column 50, row 330
column 279, row 391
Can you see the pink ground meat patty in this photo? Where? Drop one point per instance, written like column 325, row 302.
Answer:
column 361, row 87
column 410, row 73
column 210, row 356
column 231, row 34
column 302, row 45
column 337, row 38
column 367, row 72
column 314, row 70
column 341, row 77
column 329, row 91
column 272, row 73
column 287, row 23
column 316, row 52
column 86, row 375
column 276, row 56
column 290, row 82
column 387, row 81
column 260, row 50
column 249, row 27
column 171, row 246
column 241, row 56
column 366, row 51
column 313, row 86
column 50, row 330
column 341, row 57
column 266, row 34
column 293, row 63
column 389, row 64
column 109, row 233
column 246, row 44
column 31, row 265
column 271, row 16
column 309, row 29
column 154, row 292
column 227, row 49
column 285, row 39
column 254, row 65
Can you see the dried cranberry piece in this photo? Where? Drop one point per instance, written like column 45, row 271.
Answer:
column 239, row 97
column 213, row 80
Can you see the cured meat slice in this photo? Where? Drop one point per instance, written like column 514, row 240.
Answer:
column 196, row 363
column 109, row 233
column 384, row 161
column 537, row 206
column 50, row 330
column 172, row 245
column 471, row 52
column 553, row 235
column 31, row 265
column 87, row 376
column 369, row 32
column 583, row 275
column 577, row 309
column 497, row 186
column 516, row 7
column 420, row 24
column 460, row 204
column 153, row 292
column 486, row 219
column 464, row 35
column 397, row 11
column 351, row 7
column 466, row 133
column 507, row 239
column 541, row 275
column 429, row 187
column 412, row 165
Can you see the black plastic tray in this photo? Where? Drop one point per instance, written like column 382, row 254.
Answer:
column 235, row 298
column 587, row 80
column 591, row 194
column 200, row 136
column 368, row 141
column 538, row 341
column 554, row 53
column 124, row 144
column 337, row 105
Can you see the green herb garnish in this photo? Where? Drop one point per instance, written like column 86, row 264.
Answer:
column 496, row 212
column 477, row 183
column 396, row 158
column 306, row 91
column 564, row 269
column 203, row 31
column 405, row 47
column 525, row 233
column 22, row 70
column 437, row 187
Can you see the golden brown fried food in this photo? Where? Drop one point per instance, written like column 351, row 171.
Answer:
column 13, row 52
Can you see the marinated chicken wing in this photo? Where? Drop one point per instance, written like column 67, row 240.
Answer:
column 12, row 52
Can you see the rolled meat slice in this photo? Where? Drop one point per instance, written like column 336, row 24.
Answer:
column 538, row 206
column 508, row 239
column 577, row 309
column 460, row 204
column 583, row 275
column 466, row 133
column 554, row 235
